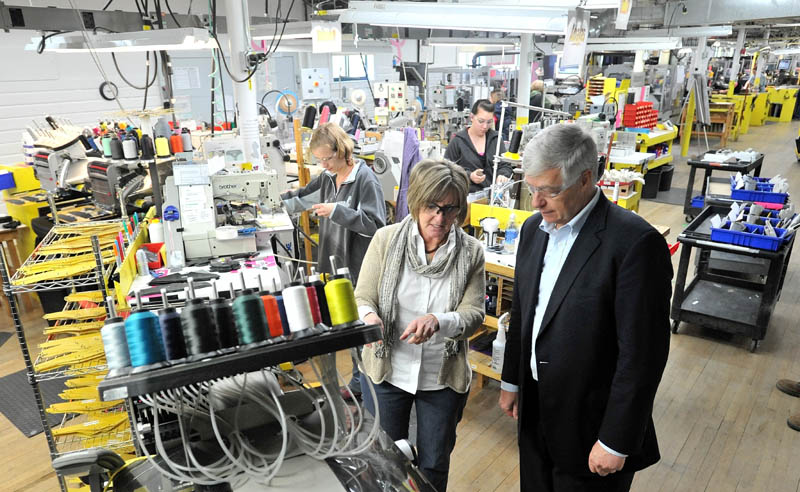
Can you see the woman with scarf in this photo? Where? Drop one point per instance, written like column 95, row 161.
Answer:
column 423, row 281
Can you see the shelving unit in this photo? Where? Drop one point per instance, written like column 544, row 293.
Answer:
column 23, row 282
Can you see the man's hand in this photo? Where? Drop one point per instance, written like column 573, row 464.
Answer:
column 421, row 329
column 509, row 403
column 323, row 209
column 502, row 179
column 477, row 176
column 602, row 462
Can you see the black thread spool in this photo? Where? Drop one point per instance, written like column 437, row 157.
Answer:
column 199, row 331
column 330, row 105
column 223, row 319
column 459, row 105
column 116, row 148
column 148, row 149
column 315, row 280
column 309, row 116
column 516, row 140
column 171, row 330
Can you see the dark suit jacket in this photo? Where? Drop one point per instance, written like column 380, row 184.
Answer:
column 604, row 339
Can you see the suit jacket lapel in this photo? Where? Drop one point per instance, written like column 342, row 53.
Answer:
column 585, row 244
column 538, row 249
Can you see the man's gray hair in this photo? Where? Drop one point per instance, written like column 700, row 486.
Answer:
column 565, row 146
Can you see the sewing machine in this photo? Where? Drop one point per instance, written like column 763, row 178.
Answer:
column 204, row 214
column 59, row 158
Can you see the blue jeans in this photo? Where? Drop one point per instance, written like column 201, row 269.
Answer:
column 438, row 414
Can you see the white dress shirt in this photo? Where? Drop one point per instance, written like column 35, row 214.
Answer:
column 416, row 367
column 558, row 248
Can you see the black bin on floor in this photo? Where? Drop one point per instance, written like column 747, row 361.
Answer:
column 651, row 182
column 667, row 171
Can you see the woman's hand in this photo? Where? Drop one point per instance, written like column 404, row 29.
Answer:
column 323, row 209
column 421, row 329
column 374, row 319
column 477, row 176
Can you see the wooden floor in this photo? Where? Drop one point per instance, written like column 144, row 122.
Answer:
column 720, row 421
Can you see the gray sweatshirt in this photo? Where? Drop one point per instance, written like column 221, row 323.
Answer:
column 359, row 212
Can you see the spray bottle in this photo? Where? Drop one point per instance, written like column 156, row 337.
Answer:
column 499, row 344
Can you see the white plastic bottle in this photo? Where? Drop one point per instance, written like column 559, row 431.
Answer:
column 499, row 344
column 510, row 240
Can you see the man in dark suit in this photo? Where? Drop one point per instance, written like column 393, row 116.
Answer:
column 589, row 330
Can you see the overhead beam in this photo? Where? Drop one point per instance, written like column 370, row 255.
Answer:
column 706, row 12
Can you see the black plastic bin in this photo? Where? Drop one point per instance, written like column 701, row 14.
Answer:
column 652, row 180
column 667, row 171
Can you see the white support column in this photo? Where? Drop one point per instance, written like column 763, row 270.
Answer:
column 734, row 76
column 244, row 93
column 524, row 86
column 663, row 57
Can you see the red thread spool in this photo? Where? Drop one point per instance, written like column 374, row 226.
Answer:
column 176, row 144
column 314, row 302
column 273, row 315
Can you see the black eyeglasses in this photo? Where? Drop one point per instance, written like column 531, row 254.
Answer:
column 448, row 211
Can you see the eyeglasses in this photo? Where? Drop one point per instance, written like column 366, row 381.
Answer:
column 326, row 159
column 481, row 122
column 448, row 211
column 548, row 191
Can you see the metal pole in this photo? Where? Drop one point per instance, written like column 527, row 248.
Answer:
column 98, row 258
column 524, row 85
column 53, row 210
column 737, row 55
column 244, row 92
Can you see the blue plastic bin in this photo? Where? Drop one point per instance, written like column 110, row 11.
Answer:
column 762, row 193
column 753, row 238
column 7, row 180
column 698, row 201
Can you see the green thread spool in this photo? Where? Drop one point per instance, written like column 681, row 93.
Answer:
column 341, row 300
column 248, row 313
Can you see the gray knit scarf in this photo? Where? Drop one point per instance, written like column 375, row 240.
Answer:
column 403, row 248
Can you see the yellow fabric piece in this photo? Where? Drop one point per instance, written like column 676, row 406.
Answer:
column 76, row 328
column 82, row 406
column 87, row 313
column 92, row 380
column 91, row 296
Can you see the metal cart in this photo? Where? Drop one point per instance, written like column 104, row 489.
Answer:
column 698, row 163
column 734, row 289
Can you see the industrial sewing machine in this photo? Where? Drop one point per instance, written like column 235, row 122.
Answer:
column 59, row 154
column 206, row 215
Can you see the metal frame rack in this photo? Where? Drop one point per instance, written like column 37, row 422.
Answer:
column 735, row 288
column 97, row 276
column 698, row 163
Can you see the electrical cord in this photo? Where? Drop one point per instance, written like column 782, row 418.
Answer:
column 125, row 79
column 108, row 4
column 366, row 76
column 171, row 13
column 146, row 76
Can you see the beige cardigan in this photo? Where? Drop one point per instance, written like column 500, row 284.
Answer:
column 455, row 372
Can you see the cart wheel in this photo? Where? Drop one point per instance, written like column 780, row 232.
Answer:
column 753, row 346
column 675, row 326
column 689, row 218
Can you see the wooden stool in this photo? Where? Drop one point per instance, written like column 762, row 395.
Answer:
column 8, row 241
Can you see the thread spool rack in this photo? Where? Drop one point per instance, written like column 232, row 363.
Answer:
column 241, row 360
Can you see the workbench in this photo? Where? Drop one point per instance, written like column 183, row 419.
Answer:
column 722, row 114
column 743, row 167
column 737, row 299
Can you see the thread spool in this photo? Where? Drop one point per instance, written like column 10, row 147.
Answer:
column 176, row 143
column 199, row 331
column 115, row 343
column 129, row 149
column 298, row 310
column 459, row 105
column 116, row 148
column 171, row 330
column 324, row 114
column 162, row 147
column 222, row 314
column 143, row 333
column 309, row 116
column 313, row 303
column 315, row 281
column 516, row 140
column 341, row 300
column 132, row 134
column 106, row 143
column 186, row 138
column 148, row 150
column 248, row 314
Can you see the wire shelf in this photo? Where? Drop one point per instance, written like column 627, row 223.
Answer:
column 19, row 283
column 117, row 439
column 93, row 366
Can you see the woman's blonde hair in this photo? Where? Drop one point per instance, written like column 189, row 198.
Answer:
column 435, row 180
column 331, row 135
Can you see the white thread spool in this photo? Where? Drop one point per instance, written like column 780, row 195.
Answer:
column 115, row 343
column 156, row 232
column 298, row 309
column 186, row 138
column 130, row 150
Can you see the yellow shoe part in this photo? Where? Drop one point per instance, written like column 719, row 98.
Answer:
column 91, row 296
column 91, row 380
column 87, row 313
column 75, row 328
column 82, row 406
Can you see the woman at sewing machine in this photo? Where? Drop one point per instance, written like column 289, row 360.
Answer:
column 348, row 199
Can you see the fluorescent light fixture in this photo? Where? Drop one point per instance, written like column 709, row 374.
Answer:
column 796, row 24
column 187, row 38
column 366, row 46
column 600, row 4
column 685, row 31
column 491, row 42
column 787, row 51
column 294, row 30
column 551, row 19
column 633, row 44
